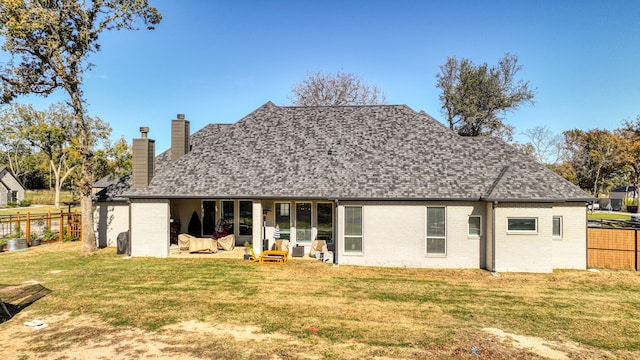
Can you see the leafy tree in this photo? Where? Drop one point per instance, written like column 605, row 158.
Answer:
column 320, row 89
column 49, row 42
column 630, row 149
column 474, row 97
column 114, row 160
column 52, row 132
column 594, row 156
column 14, row 149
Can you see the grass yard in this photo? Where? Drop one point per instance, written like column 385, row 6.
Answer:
column 131, row 308
column 46, row 196
column 608, row 216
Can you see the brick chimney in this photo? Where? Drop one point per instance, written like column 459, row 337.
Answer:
column 179, row 137
column 144, row 153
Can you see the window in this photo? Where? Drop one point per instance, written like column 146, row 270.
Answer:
column 208, row 218
column 436, row 231
column 283, row 220
column 353, row 229
column 246, row 218
column 324, row 215
column 303, row 222
column 14, row 196
column 229, row 215
column 474, row 225
column 522, row 225
column 557, row 226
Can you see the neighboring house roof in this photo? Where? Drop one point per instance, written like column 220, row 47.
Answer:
column 4, row 171
column 114, row 190
column 381, row 152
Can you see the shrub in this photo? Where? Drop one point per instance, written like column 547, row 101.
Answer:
column 24, row 203
column 17, row 231
column 70, row 237
column 48, row 235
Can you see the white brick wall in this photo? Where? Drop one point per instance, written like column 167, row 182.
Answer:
column 394, row 235
column 110, row 219
column 150, row 227
column 570, row 251
column 523, row 252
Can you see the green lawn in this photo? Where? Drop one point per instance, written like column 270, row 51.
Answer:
column 391, row 312
column 608, row 216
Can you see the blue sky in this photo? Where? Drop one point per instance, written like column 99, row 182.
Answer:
column 217, row 61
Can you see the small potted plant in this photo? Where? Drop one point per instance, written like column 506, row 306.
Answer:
column 3, row 244
column 35, row 239
column 247, row 250
column 17, row 240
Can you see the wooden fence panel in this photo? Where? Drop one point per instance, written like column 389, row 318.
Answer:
column 612, row 248
column 61, row 223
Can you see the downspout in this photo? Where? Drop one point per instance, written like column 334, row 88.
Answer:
column 129, row 231
column 493, row 236
column 335, row 232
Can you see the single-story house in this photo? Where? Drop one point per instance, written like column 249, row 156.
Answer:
column 10, row 188
column 623, row 197
column 384, row 185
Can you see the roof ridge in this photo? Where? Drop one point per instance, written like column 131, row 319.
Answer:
column 344, row 106
column 496, row 182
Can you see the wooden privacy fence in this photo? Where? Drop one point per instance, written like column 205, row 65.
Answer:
column 50, row 226
column 613, row 248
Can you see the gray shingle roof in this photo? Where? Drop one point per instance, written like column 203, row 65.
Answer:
column 351, row 152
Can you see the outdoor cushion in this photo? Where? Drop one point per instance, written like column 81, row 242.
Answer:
column 183, row 241
column 281, row 245
column 227, row 243
column 203, row 244
column 318, row 246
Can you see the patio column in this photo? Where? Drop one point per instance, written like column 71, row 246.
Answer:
column 258, row 226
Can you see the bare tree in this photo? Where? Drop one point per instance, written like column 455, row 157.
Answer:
column 49, row 43
column 546, row 146
column 320, row 89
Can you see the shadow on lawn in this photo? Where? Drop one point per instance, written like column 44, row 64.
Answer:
column 18, row 297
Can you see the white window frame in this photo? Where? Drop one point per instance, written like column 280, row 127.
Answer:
column 479, row 226
column 291, row 227
column 426, row 232
column 294, row 209
column 558, row 217
column 345, row 235
column 535, row 231
column 315, row 218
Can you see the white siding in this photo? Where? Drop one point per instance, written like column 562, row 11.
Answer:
column 150, row 227
column 394, row 234
column 110, row 218
column 570, row 251
column 11, row 185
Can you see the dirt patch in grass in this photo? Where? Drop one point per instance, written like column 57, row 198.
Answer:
column 72, row 337
column 107, row 306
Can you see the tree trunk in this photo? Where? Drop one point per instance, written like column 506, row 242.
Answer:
column 88, row 235
column 85, row 182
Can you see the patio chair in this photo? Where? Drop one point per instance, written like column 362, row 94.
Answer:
column 271, row 256
column 318, row 249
